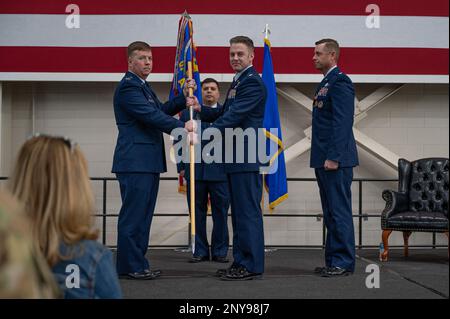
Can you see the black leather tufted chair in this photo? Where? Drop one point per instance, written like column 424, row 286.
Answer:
column 421, row 203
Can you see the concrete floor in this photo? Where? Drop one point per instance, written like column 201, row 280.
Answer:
column 289, row 275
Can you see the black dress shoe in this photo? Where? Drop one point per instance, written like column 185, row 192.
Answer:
column 198, row 259
column 155, row 272
column 220, row 259
column 319, row 270
column 144, row 275
column 335, row 272
column 224, row 271
column 241, row 274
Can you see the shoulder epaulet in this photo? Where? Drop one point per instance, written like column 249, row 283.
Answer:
column 343, row 77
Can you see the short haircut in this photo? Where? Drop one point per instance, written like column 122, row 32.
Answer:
column 331, row 45
column 138, row 46
column 244, row 40
column 210, row 80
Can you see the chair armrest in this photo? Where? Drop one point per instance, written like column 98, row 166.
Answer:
column 395, row 203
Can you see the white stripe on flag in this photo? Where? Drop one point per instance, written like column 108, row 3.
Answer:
column 216, row 30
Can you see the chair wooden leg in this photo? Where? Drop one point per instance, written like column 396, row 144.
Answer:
column 385, row 238
column 406, row 235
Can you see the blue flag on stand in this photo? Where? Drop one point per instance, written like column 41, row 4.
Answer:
column 275, row 180
column 185, row 53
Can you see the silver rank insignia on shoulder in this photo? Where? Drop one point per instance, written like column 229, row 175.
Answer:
column 128, row 78
column 326, row 84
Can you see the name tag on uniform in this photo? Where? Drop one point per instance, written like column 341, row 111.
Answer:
column 232, row 94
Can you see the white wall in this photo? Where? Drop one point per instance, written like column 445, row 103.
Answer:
column 414, row 123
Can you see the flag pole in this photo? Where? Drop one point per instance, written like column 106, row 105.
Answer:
column 266, row 32
column 192, row 167
column 266, row 37
column 192, row 162
column 267, row 250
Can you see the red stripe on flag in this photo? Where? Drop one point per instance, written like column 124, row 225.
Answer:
column 387, row 61
column 281, row 7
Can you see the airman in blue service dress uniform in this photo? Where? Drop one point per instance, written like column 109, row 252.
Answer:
column 243, row 108
column 139, row 158
column 333, row 156
column 210, row 179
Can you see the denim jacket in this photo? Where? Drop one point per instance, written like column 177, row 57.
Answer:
column 89, row 272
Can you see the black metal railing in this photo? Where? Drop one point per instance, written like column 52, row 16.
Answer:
column 319, row 216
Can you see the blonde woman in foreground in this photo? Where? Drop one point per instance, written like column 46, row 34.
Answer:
column 51, row 179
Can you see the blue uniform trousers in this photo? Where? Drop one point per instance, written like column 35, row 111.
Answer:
column 248, row 232
column 138, row 192
column 220, row 203
column 336, row 198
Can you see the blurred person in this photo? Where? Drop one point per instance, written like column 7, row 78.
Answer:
column 51, row 179
column 24, row 272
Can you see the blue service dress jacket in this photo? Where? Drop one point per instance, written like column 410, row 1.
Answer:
column 333, row 114
column 246, row 113
column 141, row 118
column 210, row 171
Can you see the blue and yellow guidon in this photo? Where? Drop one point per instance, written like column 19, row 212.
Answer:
column 186, row 52
column 275, row 181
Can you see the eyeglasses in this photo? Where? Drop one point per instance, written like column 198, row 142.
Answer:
column 70, row 143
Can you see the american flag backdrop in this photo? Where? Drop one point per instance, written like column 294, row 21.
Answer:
column 411, row 43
